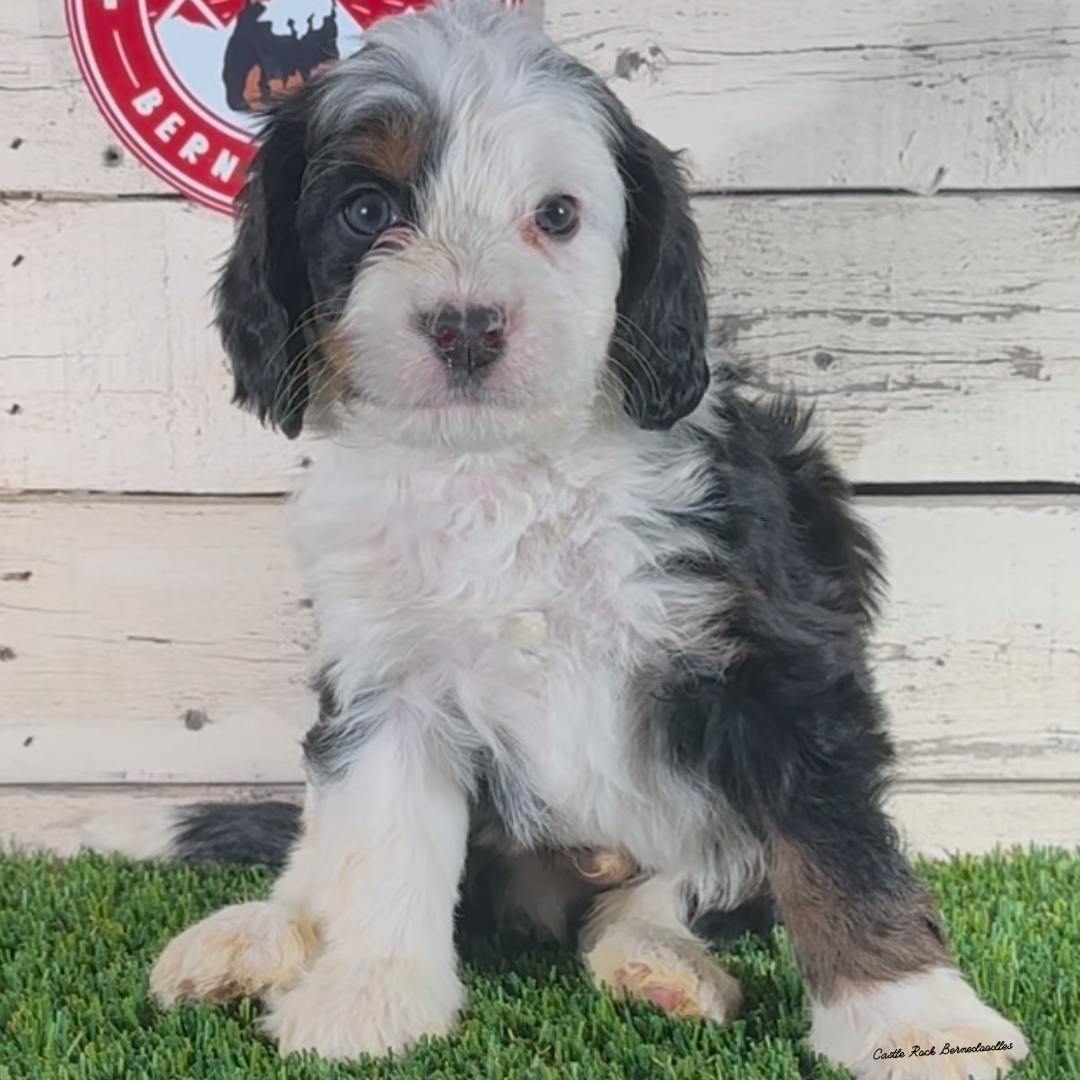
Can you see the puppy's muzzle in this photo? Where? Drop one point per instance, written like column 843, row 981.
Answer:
column 467, row 339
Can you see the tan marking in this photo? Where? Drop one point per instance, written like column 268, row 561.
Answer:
column 333, row 352
column 843, row 940
column 253, row 88
column 392, row 146
column 524, row 629
column 635, row 942
column 534, row 238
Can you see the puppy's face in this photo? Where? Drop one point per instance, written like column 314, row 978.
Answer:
column 463, row 248
column 458, row 239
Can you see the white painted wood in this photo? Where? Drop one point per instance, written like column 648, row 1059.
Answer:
column 942, row 818
column 110, row 376
column 979, row 650
column 53, row 139
column 940, row 338
column 913, row 95
column 935, row 819
column 766, row 94
column 136, row 612
column 153, row 641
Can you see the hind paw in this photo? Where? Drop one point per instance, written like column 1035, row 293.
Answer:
column 637, row 960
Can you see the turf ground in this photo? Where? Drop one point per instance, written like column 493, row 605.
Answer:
column 78, row 937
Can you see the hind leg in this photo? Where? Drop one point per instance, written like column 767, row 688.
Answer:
column 636, row 943
column 804, row 760
column 537, row 890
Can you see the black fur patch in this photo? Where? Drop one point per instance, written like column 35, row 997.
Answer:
column 721, row 929
column 263, row 293
column 293, row 258
column 793, row 734
column 660, row 345
column 252, row 833
column 661, row 331
column 333, row 741
column 805, row 575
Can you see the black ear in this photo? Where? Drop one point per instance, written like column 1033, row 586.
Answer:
column 263, row 292
column 659, row 344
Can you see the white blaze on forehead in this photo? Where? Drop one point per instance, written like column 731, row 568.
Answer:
column 511, row 147
column 511, row 125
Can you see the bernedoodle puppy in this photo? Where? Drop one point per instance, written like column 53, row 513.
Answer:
column 574, row 591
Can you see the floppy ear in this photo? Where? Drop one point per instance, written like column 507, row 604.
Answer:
column 662, row 329
column 263, row 292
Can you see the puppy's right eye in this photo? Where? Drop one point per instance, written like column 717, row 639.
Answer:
column 369, row 214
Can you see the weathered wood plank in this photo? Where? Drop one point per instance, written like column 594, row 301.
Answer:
column 914, row 95
column 111, row 377
column 935, row 819
column 979, row 650
column 53, row 139
column 939, row 819
column 152, row 640
column 940, row 338
column 765, row 94
column 166, row 640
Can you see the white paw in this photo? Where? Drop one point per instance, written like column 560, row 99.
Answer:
column 246, row 950
column 341, row 1009
column 639, row 960
column 934, row 1010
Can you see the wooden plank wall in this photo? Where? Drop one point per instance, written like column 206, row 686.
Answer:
column 890, row 195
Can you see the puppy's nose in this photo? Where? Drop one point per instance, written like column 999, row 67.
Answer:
column 468, row 338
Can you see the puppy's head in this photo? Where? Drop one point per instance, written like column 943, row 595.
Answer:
column 458, row 237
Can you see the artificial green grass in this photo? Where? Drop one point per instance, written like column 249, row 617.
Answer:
column 77, row 939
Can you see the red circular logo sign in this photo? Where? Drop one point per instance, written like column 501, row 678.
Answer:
column 182, row 82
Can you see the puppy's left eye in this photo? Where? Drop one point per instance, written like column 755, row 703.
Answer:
column 369, row 213
column 558, row 216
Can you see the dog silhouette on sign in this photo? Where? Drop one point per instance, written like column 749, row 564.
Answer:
column 259, row 64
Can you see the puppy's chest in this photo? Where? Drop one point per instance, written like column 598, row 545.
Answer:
column 533, row 610
column 476, row 570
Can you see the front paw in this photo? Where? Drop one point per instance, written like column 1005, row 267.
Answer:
column 245, row 950
column 934, row 1010
column 341, row 1010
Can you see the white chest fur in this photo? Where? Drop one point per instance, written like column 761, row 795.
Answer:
column 517, row 605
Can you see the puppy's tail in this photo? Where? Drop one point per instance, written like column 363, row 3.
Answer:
column 257, row 833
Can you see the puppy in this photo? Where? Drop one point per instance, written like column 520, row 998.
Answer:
column 571, row 592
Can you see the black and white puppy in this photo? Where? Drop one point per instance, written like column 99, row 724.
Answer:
column 570, row 592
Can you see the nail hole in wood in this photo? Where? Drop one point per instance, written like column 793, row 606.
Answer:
column 195, row 719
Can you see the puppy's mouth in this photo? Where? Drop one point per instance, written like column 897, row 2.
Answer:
column 464, row 392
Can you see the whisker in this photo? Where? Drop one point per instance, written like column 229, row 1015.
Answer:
column 646, row 365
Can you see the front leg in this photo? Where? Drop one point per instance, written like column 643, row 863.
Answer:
column 353, row 952
column 378, row 868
